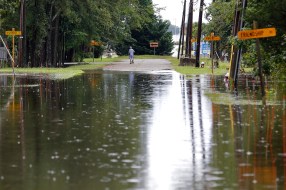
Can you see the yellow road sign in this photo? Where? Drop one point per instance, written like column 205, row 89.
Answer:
column 212, row 38
column 258, row 33
column 95, row 43
column 193, row 40
column 13, row 33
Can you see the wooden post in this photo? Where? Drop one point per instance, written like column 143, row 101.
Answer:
column 199, row 34
column 255, row 26
column 181, row 42
column 189, row 31
column 13, row 46
column 212, row 52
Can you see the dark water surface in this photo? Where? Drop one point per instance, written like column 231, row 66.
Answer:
column 153, row 131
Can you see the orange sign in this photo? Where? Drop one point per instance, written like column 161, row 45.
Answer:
column 212, row 38
column 193, row 40
column 154, row 44
column 95, row 43
column 13, row 32
column 258, row 33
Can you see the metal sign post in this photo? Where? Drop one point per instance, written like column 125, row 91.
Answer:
column 212, row 38
column 94, row 43
column 154, row 45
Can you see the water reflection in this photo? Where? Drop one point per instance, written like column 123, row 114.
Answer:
column 117, row 130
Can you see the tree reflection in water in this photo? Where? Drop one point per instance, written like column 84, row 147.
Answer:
column 117, row 130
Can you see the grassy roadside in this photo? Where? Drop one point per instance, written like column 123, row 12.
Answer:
column 53, row 73
column 98, row 63
column 189, row 70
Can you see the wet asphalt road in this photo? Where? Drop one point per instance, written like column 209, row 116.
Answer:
column 140, row 65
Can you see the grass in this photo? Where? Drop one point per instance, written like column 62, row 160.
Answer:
column 98, row 63
column 190, row 70
column 54, row 73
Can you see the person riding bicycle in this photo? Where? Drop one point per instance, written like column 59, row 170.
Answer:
column 131, row 55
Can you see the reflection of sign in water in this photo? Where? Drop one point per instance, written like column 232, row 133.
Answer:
column 206, row 48
column 3, row 53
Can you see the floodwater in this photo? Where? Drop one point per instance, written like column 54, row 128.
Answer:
column 141, row 131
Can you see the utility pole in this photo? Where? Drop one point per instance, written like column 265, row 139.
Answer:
column 189, row 31
column 182, row 34
column 22, row 40
column 199, row 34
column 236, row 52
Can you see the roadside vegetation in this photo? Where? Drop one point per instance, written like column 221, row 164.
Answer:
column 60, row 31
column 99, row 63
column 268, row 14
column 53, row 73
column 56, row 32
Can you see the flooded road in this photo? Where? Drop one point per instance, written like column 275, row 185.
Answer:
column 158, row 130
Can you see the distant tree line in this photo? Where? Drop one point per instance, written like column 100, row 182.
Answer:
column 58, row 31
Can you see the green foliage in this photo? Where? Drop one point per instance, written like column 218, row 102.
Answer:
column 268, row 13
column 60, row 30
column 155, row 31
column 220, row 17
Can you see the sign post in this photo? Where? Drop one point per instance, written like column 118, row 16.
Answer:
column 94, row 43
column 255, row 34
column 13, row 33
column 154, row 45
column 212, row 38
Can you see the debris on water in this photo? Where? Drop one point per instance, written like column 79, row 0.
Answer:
column 248, row 175
column 254, row 181
column 239, row 150
column 249, row 153
column 282, row 154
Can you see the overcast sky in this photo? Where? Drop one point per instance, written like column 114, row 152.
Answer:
column 174, row 9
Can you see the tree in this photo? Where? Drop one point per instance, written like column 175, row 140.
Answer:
column 268, row 13
column 220, row 17
column 154, row 28
column 60, row 30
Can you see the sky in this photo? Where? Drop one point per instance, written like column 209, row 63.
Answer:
column 174, row 9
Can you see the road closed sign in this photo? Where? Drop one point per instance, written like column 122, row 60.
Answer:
column 257, row 33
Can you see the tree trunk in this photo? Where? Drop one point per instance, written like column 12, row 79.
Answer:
column 49, row 38
column 55, row 49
